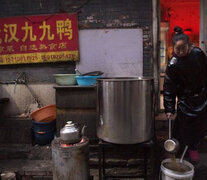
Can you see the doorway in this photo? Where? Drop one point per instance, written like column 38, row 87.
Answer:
column 186, row 14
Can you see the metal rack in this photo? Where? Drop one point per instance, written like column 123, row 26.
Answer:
column 148, row 149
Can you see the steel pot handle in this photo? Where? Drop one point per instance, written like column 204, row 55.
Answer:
column 83, row 130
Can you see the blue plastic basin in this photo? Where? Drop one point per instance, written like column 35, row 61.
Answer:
column 44, row 126
column 43, row 138
column 43, row 131
column 87, row 80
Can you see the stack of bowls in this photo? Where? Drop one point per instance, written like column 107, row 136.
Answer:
column 65, row 79
column 87, row 80
column 44, row 124
column 45, row 114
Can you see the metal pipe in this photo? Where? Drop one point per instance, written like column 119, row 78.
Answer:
column 21, row 79
column 34, row 96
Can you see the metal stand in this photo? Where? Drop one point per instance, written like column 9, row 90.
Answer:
column 148, row 149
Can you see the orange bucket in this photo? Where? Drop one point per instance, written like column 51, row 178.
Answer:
column 45, row 114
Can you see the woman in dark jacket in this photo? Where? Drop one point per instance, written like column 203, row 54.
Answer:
column 186, row 79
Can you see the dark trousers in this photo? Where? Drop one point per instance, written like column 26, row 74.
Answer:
column 176, row 135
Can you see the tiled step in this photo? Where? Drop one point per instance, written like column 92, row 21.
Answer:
column 42, row 169
column 39, row 169
column 28, row 169
column 24, row 151
column 38, row 152
column 15, row 130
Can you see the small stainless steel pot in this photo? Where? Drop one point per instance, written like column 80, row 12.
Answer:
column 71, row 133
column 171, row 145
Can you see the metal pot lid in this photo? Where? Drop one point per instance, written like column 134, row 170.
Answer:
column 69, row 124
column 70, row 128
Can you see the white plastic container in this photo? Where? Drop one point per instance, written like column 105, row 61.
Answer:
column 168, row 174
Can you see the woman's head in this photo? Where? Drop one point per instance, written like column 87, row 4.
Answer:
column 180, row 42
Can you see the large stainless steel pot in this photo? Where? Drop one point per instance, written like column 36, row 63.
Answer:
column 125, row 109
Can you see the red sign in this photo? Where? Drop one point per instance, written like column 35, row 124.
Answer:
column 36, row 39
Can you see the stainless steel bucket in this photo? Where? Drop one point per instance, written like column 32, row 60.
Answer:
column 125, row 109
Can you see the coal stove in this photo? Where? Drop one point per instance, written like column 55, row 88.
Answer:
column 70, row 161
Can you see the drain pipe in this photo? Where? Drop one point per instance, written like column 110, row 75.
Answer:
column 39, row 104
column 24, row 81
column 21, row 79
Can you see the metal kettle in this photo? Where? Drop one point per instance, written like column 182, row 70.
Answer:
column 71, row 133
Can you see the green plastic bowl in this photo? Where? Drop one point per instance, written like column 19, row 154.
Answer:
column 65, row 79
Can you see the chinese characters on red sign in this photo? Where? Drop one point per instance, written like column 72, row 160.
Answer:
column 37, row 39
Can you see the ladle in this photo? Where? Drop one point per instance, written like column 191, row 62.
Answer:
column 92, row 73
column 181, row 159
column 171, row 145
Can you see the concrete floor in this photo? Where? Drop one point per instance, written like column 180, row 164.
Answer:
column 32, row 169
column 201, row 168
column 34, row 162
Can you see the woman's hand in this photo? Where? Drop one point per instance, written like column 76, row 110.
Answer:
column 169, row 115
